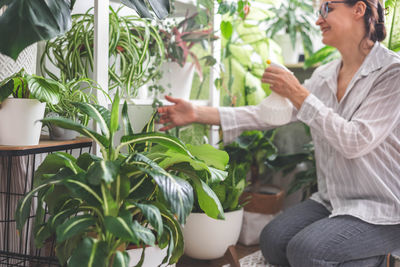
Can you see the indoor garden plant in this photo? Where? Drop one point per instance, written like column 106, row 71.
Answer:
column 132, row 62
column 295, row 19
column 99, row 204
column 44, row 20
column 80, row 90
column 19, row 114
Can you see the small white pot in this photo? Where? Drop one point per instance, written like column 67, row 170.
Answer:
column 19, row 121
column 179, row 78
column 153, row 256
column 207, row 238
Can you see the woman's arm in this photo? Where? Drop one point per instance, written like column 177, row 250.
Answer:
column 183, row 112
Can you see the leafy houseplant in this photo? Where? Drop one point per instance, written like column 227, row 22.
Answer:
column 23, row 85
column 245, row 49
column 43, row 20
column 180, row 38
column 19, row 114
column 98, row 204
column 295, row 18
column 131, row 64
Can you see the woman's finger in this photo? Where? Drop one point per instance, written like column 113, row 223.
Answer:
column 172, row 99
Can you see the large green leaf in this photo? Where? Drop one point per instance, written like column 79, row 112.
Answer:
column 98, row 113
column 44, row 90
column 160, row 7
column 210, row 155
column 53, row 163
column 177, row 192
column 121, row 259
column 6, row 89
column 208, row 200
column 103, row 170
column 121, row 228
column 171, row 142
column 144, row 234
column 80, row 189
column 74, row 226
column 25, row 22
column 89, row 253
column 153, row 215
column 70, row 124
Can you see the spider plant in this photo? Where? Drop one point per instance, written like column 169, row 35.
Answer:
column 132, row 63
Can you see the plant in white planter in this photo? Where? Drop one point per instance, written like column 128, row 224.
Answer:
column 80, row 90
column 179, row 40
column 215, row 221
column 99, row 205
column 20, row 115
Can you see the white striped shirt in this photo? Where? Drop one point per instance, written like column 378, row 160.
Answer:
column 357, row 140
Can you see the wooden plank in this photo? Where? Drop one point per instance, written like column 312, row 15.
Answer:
column 46, row 142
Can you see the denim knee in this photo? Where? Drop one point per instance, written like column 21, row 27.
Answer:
column 272, row 246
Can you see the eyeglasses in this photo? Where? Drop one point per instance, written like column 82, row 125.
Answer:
column 324, row 10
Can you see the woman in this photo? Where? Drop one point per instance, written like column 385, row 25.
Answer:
column 352, row 108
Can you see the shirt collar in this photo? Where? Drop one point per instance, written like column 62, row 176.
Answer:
column 371, row 63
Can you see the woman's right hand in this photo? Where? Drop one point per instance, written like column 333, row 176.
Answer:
column 179, row 114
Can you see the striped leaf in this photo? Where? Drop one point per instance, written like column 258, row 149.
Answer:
column 153, row 215
column 71, row 125
column 173, row 235
column 6, row 89
column 121, row 228
column 121, row 259
column 171, row 142
column 177, row 192
column 89, row 253
column 102, row 170
column 128, row 130
column 44, row 90
column 53, row 163
column 144, row 234
column 114, row 121
column 207, row 199
column 98, row 113
column 79, row 189
column 86, row 159
column 74, row 226
column 24, row 205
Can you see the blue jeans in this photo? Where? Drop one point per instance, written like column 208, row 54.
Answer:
column 304, row 236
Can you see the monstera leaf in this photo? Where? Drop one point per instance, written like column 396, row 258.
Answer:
column 24, row 22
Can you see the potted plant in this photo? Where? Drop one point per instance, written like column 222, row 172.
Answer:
column 80, row 90
column 98, row 204
column 44, row 20
column 131, row 61
column 179, row 40
column 209, row 238
column 292, row 21
column 19, row 115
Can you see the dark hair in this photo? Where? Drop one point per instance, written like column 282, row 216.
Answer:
column 374, row 19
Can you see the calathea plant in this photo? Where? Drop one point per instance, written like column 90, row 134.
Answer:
column 23, row 85
column 99, row 204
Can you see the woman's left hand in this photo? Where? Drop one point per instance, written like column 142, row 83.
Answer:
column 285, row 84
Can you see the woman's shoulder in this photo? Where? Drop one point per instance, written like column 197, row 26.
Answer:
column 387, row 57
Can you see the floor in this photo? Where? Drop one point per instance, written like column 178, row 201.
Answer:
column 241, row 251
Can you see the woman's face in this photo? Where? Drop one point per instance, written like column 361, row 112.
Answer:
column 335, row 22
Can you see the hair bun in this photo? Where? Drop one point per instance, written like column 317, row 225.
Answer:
column 380, row 31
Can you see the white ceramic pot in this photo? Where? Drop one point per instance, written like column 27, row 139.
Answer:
column 153, row 256
column 179, row 78
column 207, row 238
column 19, row 121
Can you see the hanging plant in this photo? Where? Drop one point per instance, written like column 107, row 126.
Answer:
column 132, row 61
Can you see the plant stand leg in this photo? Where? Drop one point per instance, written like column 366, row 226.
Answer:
column 232, row 256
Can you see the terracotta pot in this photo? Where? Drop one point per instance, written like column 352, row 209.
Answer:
column 270, row 201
